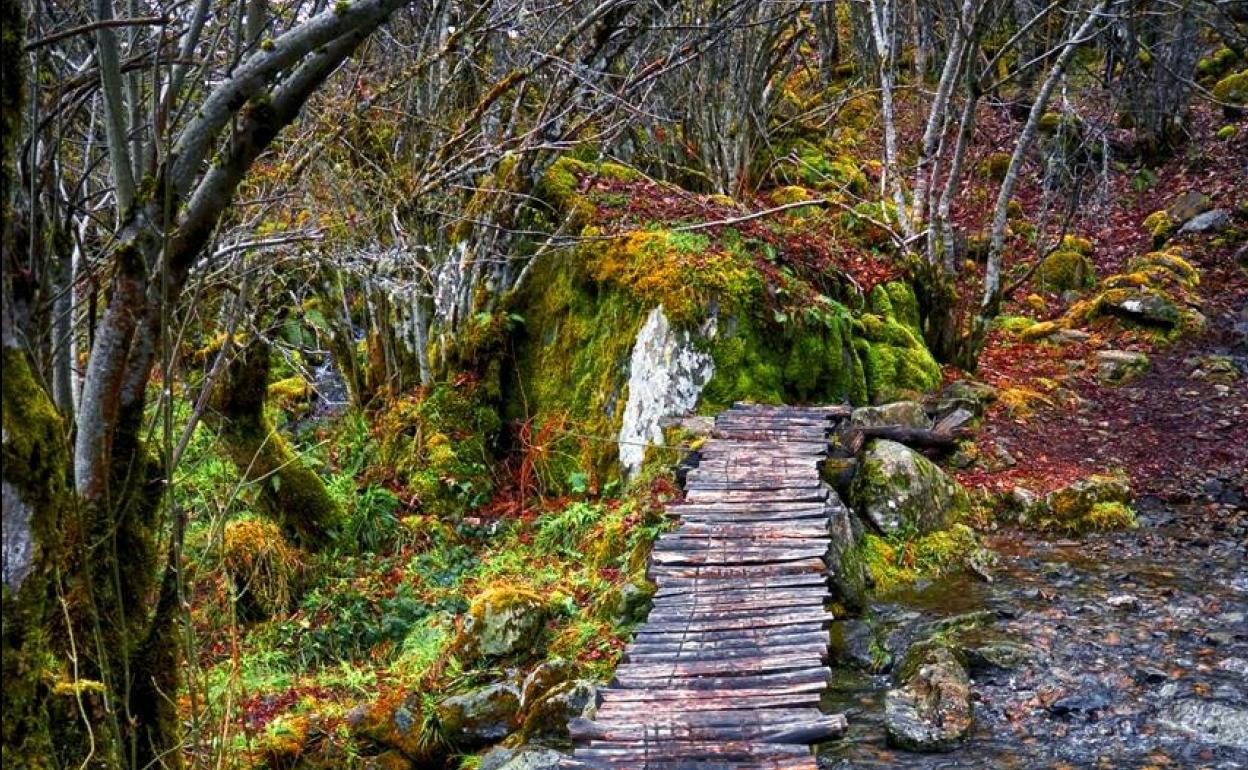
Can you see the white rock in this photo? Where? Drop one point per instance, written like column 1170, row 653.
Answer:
column 665, row 378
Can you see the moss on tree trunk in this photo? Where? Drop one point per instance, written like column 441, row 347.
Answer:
column 288, row 490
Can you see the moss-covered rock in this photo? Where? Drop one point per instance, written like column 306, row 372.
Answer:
column 932, row 711
column 908, row 414
column 1115, row 367
column 1232, row 92
column 501, row 622
column 894, row 561
column 480, row 717
column 995, row 166
column 896, row 364
column 1065, row 270
column 1160, row 226
column 548, row 716
column 1095, row 503
column 899, row 490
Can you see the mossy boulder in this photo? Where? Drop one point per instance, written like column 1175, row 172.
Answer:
column 1115, row 367
column 932, row 710
column 908, row 414
column 900, row 490
column 527, row 757
column 561, row 187
column 1188, row 205
column 995, row 166
column 1144, row 306
column 896, row 363
column 1160, row 226
column 543, row 677
column 480, row 717
column 1065, row 270
column 548, row 716
column 1095, row 503
column 1232, row 92
column 502, row 622
column 1216, row 64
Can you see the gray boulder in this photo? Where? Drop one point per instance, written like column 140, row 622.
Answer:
column 549, row 715
column 1215, row 221
column 1143, row 306
column 897, row 488
column 481, row 717
column 1114, row 367
column 502, row 622
column 932, row 710
column 908, row 414
column 523, row 758
column 1208, row 721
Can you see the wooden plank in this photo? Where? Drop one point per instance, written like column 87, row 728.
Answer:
column 642, row 651
column 674, row 586
column 801, row 731
column 740, row 571
column 646, row 634
column 711, row 623
column 809, row 679
column 760, row 664
column 635, row 702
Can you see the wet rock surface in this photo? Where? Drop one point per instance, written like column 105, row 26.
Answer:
column 1118, row 650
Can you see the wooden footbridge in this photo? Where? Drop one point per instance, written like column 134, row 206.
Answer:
column 728, row 670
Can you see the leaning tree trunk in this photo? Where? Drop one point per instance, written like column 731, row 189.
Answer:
column 288, row 490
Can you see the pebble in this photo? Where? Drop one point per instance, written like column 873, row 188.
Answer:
column 1123, row 602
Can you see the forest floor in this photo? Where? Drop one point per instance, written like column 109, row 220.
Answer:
column 1125, row 649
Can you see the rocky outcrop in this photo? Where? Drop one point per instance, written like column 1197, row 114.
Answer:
column 932, row 710
column 898, row 489
column 480, row 717
column 666, row 375
column 549, row 715
column 523, row 758
column 501, row 622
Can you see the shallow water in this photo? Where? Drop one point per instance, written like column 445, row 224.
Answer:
column 1139, row 647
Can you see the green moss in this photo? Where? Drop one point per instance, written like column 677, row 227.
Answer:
column 35, row 464
column 895, row 562
column 896, row 364
column 1014, row 324
column 261, row 567
column 1227, row 133
column 1078, row 244
column 1217, row 64
column 1232, row 89
column 817, row 166
column 995, row 166
column 1065, row 270
column 1160, row 226
column 559, row 187
column 440, row 444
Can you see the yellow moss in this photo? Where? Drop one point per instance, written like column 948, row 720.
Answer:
column 1159, row 225
column 1036, row 302
column 895, row 562
column 680, row 271
column 1021, row 402
column 791, row 194
column 1039, row 331
column 1226, row 133
column 286, row 393
column 261, row 566
column 1232, row 89
column 1078, row 244
column 995, row 166
column 1063, row 270
column 559, row 186
column 1105, row 517
column 1171, row 260
column 1014, row 210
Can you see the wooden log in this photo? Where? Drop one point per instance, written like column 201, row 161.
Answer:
column 923, row 438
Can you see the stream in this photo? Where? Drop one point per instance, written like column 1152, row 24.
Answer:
column 1121, row 650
